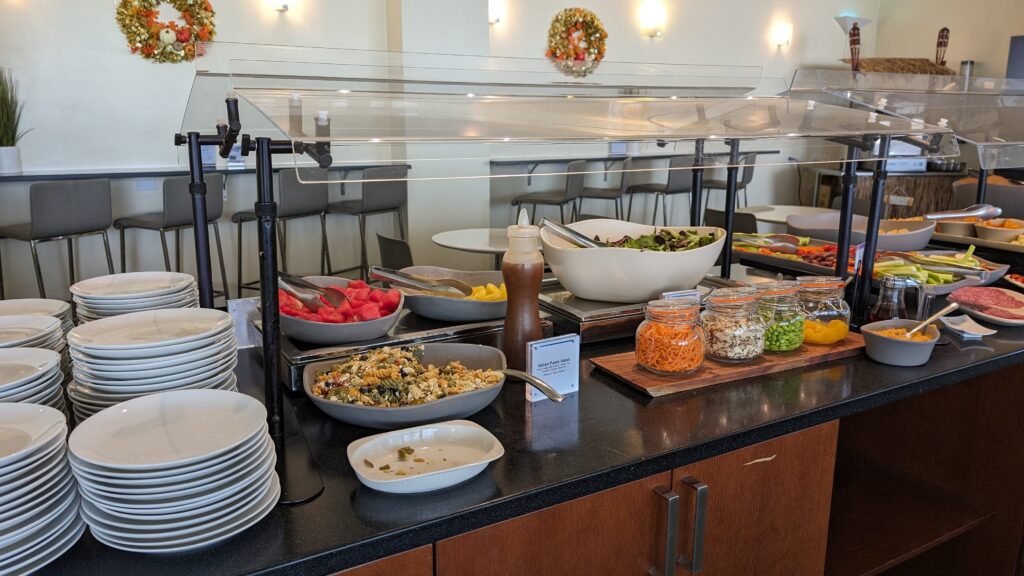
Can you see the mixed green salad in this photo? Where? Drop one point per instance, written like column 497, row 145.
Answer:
column 664, row 241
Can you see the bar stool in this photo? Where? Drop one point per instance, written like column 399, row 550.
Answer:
column 679, row 181
column 63, row 210
column 296, row 200
column 573, row 188
column 177, row 216
column 385, row 190
column 613, row 194
column 394, row 253
column 746, row 175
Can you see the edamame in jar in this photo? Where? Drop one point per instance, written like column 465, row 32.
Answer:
column 780, row 309
column 828, row 315
column 733, row 329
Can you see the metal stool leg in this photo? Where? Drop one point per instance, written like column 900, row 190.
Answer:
column 177, row 250
column 561, row 213
column 654, row 217
column 39, row 271
column 533, row 216
column 2, row 294
column 123, row 266
column 238, row 257
column 325, row 249
column 629, row 210
column 71, row 260
column 220, row 257
column 282, row 248
column 664, row 209
column 106, row 246
column 401, row 223
column 364, row 263
column 167, row 255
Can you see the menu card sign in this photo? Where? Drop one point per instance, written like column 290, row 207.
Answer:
column 557, row 362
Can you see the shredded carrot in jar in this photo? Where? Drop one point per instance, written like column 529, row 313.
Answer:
column 669, row 349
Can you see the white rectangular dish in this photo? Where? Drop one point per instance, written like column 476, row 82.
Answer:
column 443, row 454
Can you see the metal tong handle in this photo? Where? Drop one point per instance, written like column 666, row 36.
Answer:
column 310, row 297
column 975, row 211
column 413, row 281
column 572, row 236
column 534, row 381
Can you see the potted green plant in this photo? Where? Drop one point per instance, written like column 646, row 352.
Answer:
column 10, row 120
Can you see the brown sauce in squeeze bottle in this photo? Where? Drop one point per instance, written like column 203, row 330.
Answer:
column 521, row 270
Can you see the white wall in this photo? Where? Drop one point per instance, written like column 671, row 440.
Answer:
column 978, row 31
column 722, row 32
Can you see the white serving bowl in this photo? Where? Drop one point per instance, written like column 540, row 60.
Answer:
column 955, row 227
column 627, row 275
column 826, row 227
column 328, row 333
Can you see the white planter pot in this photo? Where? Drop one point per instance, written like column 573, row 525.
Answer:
column 10, row 160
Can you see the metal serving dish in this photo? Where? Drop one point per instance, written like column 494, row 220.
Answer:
column 329, row 333
column 454, row 309
column 471, row 356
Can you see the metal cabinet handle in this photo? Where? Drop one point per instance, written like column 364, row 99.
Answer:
column 700, row 524
column 670, row 532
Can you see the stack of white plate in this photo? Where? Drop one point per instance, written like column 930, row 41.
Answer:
column 124, row 357
column 175, row 471
column 31, row 376
column 58, row 309
column 117, row 294
column 39, row 502
column 29, row 331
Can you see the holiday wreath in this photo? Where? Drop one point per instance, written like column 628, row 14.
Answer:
column 171, row 41
column 576, row 41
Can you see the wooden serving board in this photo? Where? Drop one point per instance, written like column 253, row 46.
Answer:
column 624, row 367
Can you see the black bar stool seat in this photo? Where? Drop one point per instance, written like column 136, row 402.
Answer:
column 385, row 191
column 573, row 187
column 679, row 181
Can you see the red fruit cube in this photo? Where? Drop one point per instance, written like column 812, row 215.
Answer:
column 391, row 300
column 358, row 284
column 368, row 311
column 359, row 294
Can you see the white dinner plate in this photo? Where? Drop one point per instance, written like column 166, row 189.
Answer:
column 41, row 533
column 46, row 551
column 177, row 520
column 135, row 300
column 173, row 478
column 15, row 530
column 100, row 372
column 45, row 395
column 990, row 318
column 100, row 399
column 198, row 467
column 27, row 393
column 35, row 307
column 186, row 496
column 187, row 375
column 150, row 329
column 18, row 330
column 21, row 478
column 132, row 284
column 153, row 352
column 34, row 461
column 452, row 452
column 91, row 314
column 47, row 491
column 168, row 429
column 213, row 534
column 108, row 305
column 227, row 342
column 22, row 365
column 25, row 427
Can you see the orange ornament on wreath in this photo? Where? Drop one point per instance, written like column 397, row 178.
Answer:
column 166, row 41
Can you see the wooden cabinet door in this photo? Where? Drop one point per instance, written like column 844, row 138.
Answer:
column 621, row 532
column 415, row 562
column 767, row 506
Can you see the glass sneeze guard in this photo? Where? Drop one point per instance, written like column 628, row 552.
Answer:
column 433, row 111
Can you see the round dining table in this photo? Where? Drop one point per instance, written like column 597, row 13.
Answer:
column 778, row 214
column 477, row 240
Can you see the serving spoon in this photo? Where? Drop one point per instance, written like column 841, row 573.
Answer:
column 932, row 318
column 537, row 383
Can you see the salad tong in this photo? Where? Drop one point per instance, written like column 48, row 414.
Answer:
column 448, row 287
column 983, row 211
column 308, row 293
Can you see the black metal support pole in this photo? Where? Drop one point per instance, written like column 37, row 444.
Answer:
column 982, row 184
column 846, row 211
column 731, row 174
column 860, row 308
column 697, row 188
column 197, row 188
column 266, row 216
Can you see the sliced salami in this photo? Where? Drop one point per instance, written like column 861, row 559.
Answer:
column 980, row 296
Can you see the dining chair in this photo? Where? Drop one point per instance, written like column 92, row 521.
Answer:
column 741, row 222
column 614, row 194
column 63, row 210
column 679, row 181
column 748, row 161
column 395, row 253
column 573, row 187
column 177, row 216
column 385, row 191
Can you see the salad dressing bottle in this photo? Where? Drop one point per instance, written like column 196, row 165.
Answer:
column 521, row 270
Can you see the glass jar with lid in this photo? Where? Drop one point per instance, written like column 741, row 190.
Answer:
column 827, row 313
column 781, row 311
column 733, row 329
column 670, row 341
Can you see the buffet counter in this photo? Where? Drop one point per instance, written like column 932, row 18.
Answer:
column 605, row 436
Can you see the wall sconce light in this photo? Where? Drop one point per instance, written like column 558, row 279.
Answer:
column 782, row 34
column 495, row 11
column 652, row 18
column 282, row 7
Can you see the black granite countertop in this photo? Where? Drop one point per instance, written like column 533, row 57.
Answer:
column 603, row 436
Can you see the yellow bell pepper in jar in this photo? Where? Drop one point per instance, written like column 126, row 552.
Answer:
column 817, row 332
